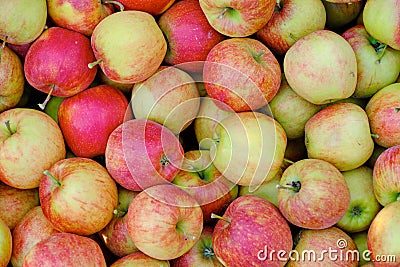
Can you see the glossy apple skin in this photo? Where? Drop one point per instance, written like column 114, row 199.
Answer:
column 105, row 107
column 231, row 64
column 36, row 144
column 138, row 48
column 31, row 14
column 73, row 205
column 383, row 236
column 386, row 176
column 340, row 134
column 189, row 35
column 323, row 197
column 139, row 259
column 6, row 242
column 295, row 19
column 164, row 221
column 383, row 115
column 65, row 249
column 154, row 7
column 32, row 229
column 340, row 14
column 373, row 72
column 135, row 153
column 254, row 222
column 78, row 15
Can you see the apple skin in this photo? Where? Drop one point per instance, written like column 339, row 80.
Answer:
column 78, row 15
column 52, row 106
column 373, row 72
column 375, row 154
column 363, row 204
column 320, row 242
column 360, row 239
column 164, row 221
column 382, row 20
column 115, row 235
column 11, row 79
column 340, row 14
column 22, row 21
column 35, row 144
column 315, row 196
column 201, row 254
column 32, row 229
column 138, row 48
column 242, row 141
column 231, row 64
column 200, row 178
column 383, row 115
column 105, row 106
column 238, row 18
column 20, row 50
column 139, row 259
column 65, row 249
column 15, row 203
column 70, row 199
column 386, row 173
column 154, row 7
column 340, row 134
column 306, row 73
column 6, row 243
column 125, row 88
column 169, row 97
column 142, row 153
column 293, row 20
column 383, row 236
column 254, row 222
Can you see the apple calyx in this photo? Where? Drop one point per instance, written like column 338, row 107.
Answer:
column 92, row 64
column 164, row 161
column 43, row 105
column 7, row 123
column 208, row 252
column 215, row 216
column 120, row 6
column 379, row 47
column 48, row 174
column 356, row 211
column 293, row 186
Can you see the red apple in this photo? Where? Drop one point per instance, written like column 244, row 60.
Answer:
column 139, row 259
column 69, row 194
column 65, row 249
column 87, row 134
column 164, row 221
column 142, row 153
column 241, row 73
column 154, row 7
column 6, row 241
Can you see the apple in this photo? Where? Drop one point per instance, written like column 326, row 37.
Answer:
column 164, row 221
column 201, row 254
column 65, row 249
column 360, row 239
column 169, row 97
column 313, row 194
column 258, row 226
column 375, row 68
column 31, row 142
column 137, row 49
column 249, row 148
column 115, row 235
column 340, row 134
column 32, row 229
column 383, row 114
column 238, row 18
column 363, row 204
column 15, row 203
column 142, row 153
column 339, row 14
column 6, row 241
column 291, row 110
column 382, row 20
column 189, row 35
column 22, row 21
column 105, row 106
column 325, row 247
column 69, row 194
column 386, row 173
column 307, row 75
column 291, row 20
column 154, row 7
column 241, row 73
column 11, row 79
column 78, row 15
column 139, row 259
column 20, row 50
column 199, row 177
column 52, row 106
column 384, row 235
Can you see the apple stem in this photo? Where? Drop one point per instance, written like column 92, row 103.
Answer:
column 119, row 213
column 47, row 173
column 215, row 216
column 43, row 105
column 293, row 186
column 92, row 64
column 208, row 253
column 288, row 161
column 293, row 37
column 375, row 135
column 121, row 6
column 7, row 123
column 381, row 53
column 2, row 47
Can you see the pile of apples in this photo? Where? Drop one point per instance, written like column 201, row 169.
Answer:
column 199, row 133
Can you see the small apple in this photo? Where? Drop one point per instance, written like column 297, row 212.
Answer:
column 339, row 14
column 139, row 259
column 6, row 242
column 154, row 7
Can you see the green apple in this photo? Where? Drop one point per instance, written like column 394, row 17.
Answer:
column 5, row 244
column 360, row 239
column 51, row 108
